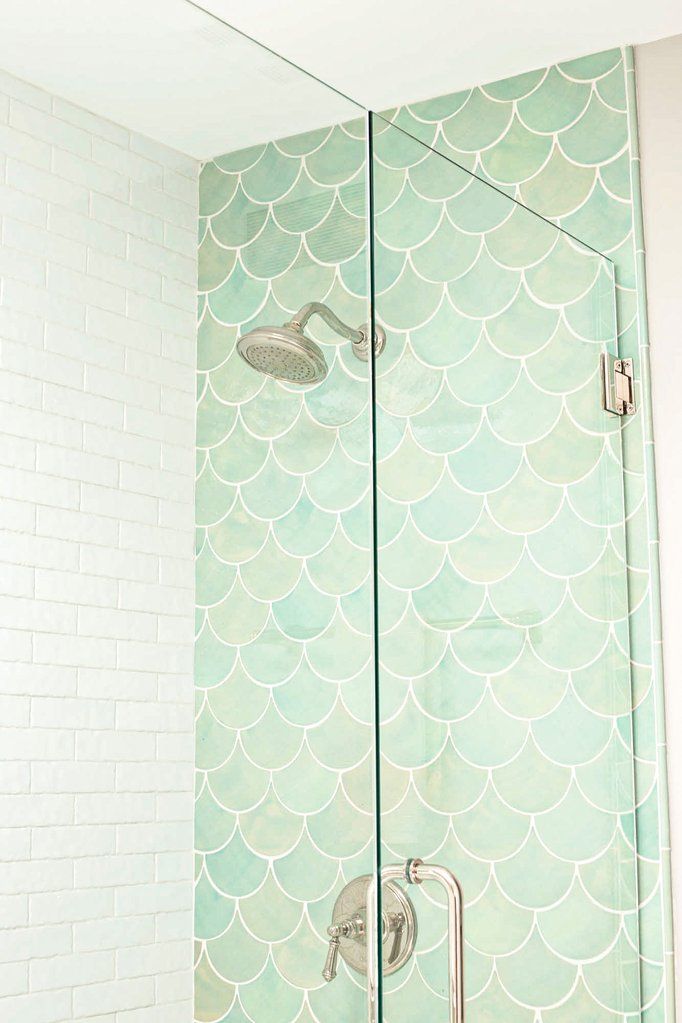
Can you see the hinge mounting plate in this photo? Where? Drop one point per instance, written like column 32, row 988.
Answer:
column 617, row 385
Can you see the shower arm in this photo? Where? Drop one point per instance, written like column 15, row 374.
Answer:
column 299, row 321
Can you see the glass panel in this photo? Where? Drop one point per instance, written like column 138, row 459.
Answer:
column 284, row 654
column 504, row 684
column 170, row 70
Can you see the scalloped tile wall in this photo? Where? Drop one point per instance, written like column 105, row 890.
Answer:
column 283, row 667
column 504, row 682
column 283, row 570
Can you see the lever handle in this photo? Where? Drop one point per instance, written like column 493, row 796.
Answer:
column 396, row 923
column 329, row 971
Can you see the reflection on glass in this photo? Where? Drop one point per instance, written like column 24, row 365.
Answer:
column 285, row 815
column 504, row 683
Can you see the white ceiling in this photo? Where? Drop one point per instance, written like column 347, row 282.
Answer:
column 387, row 52
column 163, row 68
column 166, row 69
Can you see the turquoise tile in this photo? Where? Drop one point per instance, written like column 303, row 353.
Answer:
column 505, row 684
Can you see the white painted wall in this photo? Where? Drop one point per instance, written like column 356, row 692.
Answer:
column 97, row 353
column 659, row 89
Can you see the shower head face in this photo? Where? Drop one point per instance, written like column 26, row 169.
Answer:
column 283, row 353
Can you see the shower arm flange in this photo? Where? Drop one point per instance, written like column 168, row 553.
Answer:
column 299, row 321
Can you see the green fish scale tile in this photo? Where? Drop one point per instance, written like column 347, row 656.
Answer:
column 504, row 659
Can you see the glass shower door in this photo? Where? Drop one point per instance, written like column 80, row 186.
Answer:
column 503, row 683
column 284, row 672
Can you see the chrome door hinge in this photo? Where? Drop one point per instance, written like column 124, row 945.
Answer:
column 617, row 385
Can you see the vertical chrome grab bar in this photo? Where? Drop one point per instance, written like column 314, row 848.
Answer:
column 414, row 872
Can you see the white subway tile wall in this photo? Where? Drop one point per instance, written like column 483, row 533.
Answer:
column 97, row 361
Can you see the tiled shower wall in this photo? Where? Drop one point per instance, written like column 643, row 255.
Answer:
column 97, row 359
column 563, row 141
column 571, row 155
column 283, row 671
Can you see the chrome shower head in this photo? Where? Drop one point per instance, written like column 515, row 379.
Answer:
column 284, row 353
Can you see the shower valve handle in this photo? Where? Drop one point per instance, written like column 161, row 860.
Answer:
column 395, row 926
column 329, row 971
column 351, row 931
column 350, row 927
column 354, row 927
